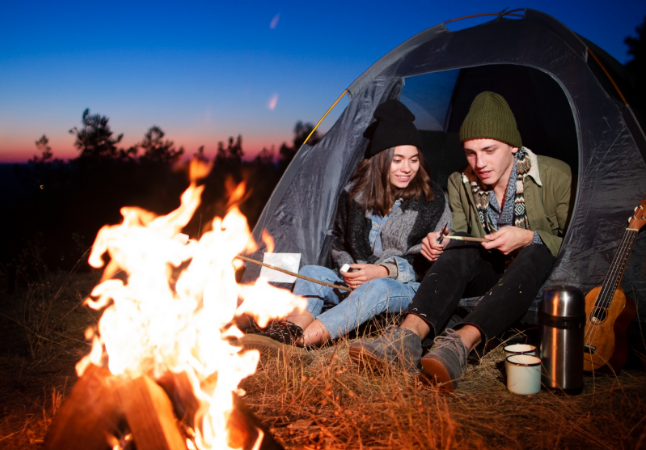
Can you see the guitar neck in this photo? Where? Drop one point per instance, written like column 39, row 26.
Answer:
column 617, row 268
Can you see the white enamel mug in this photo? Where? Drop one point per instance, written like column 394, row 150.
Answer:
column 523, row 374
column 520, row 349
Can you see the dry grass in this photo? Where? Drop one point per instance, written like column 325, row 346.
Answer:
column 27, row 428
column 322, row 401
column 326, row 402
column 41, row 339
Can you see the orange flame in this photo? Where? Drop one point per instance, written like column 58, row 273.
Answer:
column 174, row 313
column 269, row 241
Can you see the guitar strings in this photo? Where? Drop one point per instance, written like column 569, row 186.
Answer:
column 616, row 270
column 607, row 293
column 619, row 268
column 601, row 299
column 604, row 298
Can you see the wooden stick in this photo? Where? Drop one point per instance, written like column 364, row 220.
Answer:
column 467, row 238
column 302, row 277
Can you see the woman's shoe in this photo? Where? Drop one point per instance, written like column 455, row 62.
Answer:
column 280, row 338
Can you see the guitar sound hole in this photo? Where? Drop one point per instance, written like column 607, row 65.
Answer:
column 589, row 349
column 598, row 315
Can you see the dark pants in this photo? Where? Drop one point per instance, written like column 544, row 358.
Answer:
column 465, row 270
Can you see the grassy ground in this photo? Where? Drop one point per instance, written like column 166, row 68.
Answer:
column 41, row 339
column 321, row 401
column 326, row 402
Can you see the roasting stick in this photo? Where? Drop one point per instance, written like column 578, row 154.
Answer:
column 183, row 238
column 467, row 238
column 302, row 277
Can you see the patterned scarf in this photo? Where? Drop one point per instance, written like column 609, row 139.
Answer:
column 481, row 195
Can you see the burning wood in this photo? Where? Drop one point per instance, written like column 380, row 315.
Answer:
column 149, row 414
column 167, row 331
column 89, row 414
column 105, row 410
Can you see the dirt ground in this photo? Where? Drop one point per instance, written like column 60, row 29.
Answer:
column 322, row 401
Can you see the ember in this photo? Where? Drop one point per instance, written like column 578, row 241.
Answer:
column 169, row 324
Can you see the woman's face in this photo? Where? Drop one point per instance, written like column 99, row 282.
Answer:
column 404, row 165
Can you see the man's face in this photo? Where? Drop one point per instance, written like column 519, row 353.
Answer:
column 490, row 160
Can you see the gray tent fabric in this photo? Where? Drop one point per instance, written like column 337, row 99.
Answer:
column 300, row 211
column 609, row 166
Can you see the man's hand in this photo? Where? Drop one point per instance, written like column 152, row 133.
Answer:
column 508, row 239
column 431, row 250
column 363, row 273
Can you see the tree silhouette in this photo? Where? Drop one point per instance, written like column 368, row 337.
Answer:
column 637, row 49
column 69, row 201
column 44, row 169
column 42, row 145
column 94, row 139
column 230, row 156
column 265, row 157
column 301, row 131
column 199, row 154
column 156, row 149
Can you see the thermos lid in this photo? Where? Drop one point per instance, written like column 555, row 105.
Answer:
column 563, row 301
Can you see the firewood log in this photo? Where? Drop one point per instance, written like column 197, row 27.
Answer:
column 150, row 416
column 89, row 414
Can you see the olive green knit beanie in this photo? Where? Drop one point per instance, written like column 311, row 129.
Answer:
column 490, row 118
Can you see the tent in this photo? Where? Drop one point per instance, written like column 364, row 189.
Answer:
column 571, row 101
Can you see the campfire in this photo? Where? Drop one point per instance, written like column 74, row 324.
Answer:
column 164, row 370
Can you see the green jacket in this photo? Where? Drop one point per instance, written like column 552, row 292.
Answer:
column 547, row 200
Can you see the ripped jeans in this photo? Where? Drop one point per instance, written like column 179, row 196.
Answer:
column 465, row 269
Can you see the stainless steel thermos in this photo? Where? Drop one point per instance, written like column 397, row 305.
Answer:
column 561, row 318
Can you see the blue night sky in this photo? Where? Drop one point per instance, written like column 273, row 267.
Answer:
column 203, row 71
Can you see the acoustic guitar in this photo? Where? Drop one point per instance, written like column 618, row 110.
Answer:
column 609, row 311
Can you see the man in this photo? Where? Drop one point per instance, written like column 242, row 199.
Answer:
column 518, row 202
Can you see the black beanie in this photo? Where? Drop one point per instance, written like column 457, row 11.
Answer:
column 394, row 126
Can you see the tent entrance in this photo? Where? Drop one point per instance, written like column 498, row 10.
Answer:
column 441, row 100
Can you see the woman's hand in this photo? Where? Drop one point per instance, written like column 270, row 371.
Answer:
column 431, row 250
column 363, row 273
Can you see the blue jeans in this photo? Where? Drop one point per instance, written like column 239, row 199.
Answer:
column 371, row 298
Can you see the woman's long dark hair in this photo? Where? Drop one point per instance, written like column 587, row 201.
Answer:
column 372, row 188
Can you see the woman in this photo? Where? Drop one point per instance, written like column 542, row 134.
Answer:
column 385, row 211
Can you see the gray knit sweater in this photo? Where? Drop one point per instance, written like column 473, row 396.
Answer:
column 401, row 236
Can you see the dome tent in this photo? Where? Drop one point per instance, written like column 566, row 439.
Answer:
column 568, row 97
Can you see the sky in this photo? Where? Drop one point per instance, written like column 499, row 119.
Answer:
column 204, row 71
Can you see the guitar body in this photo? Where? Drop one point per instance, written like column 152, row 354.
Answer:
column 606, row 346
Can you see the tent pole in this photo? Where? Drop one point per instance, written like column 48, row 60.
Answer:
column 324, row 116
column 608, row 75
column 500, row 14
